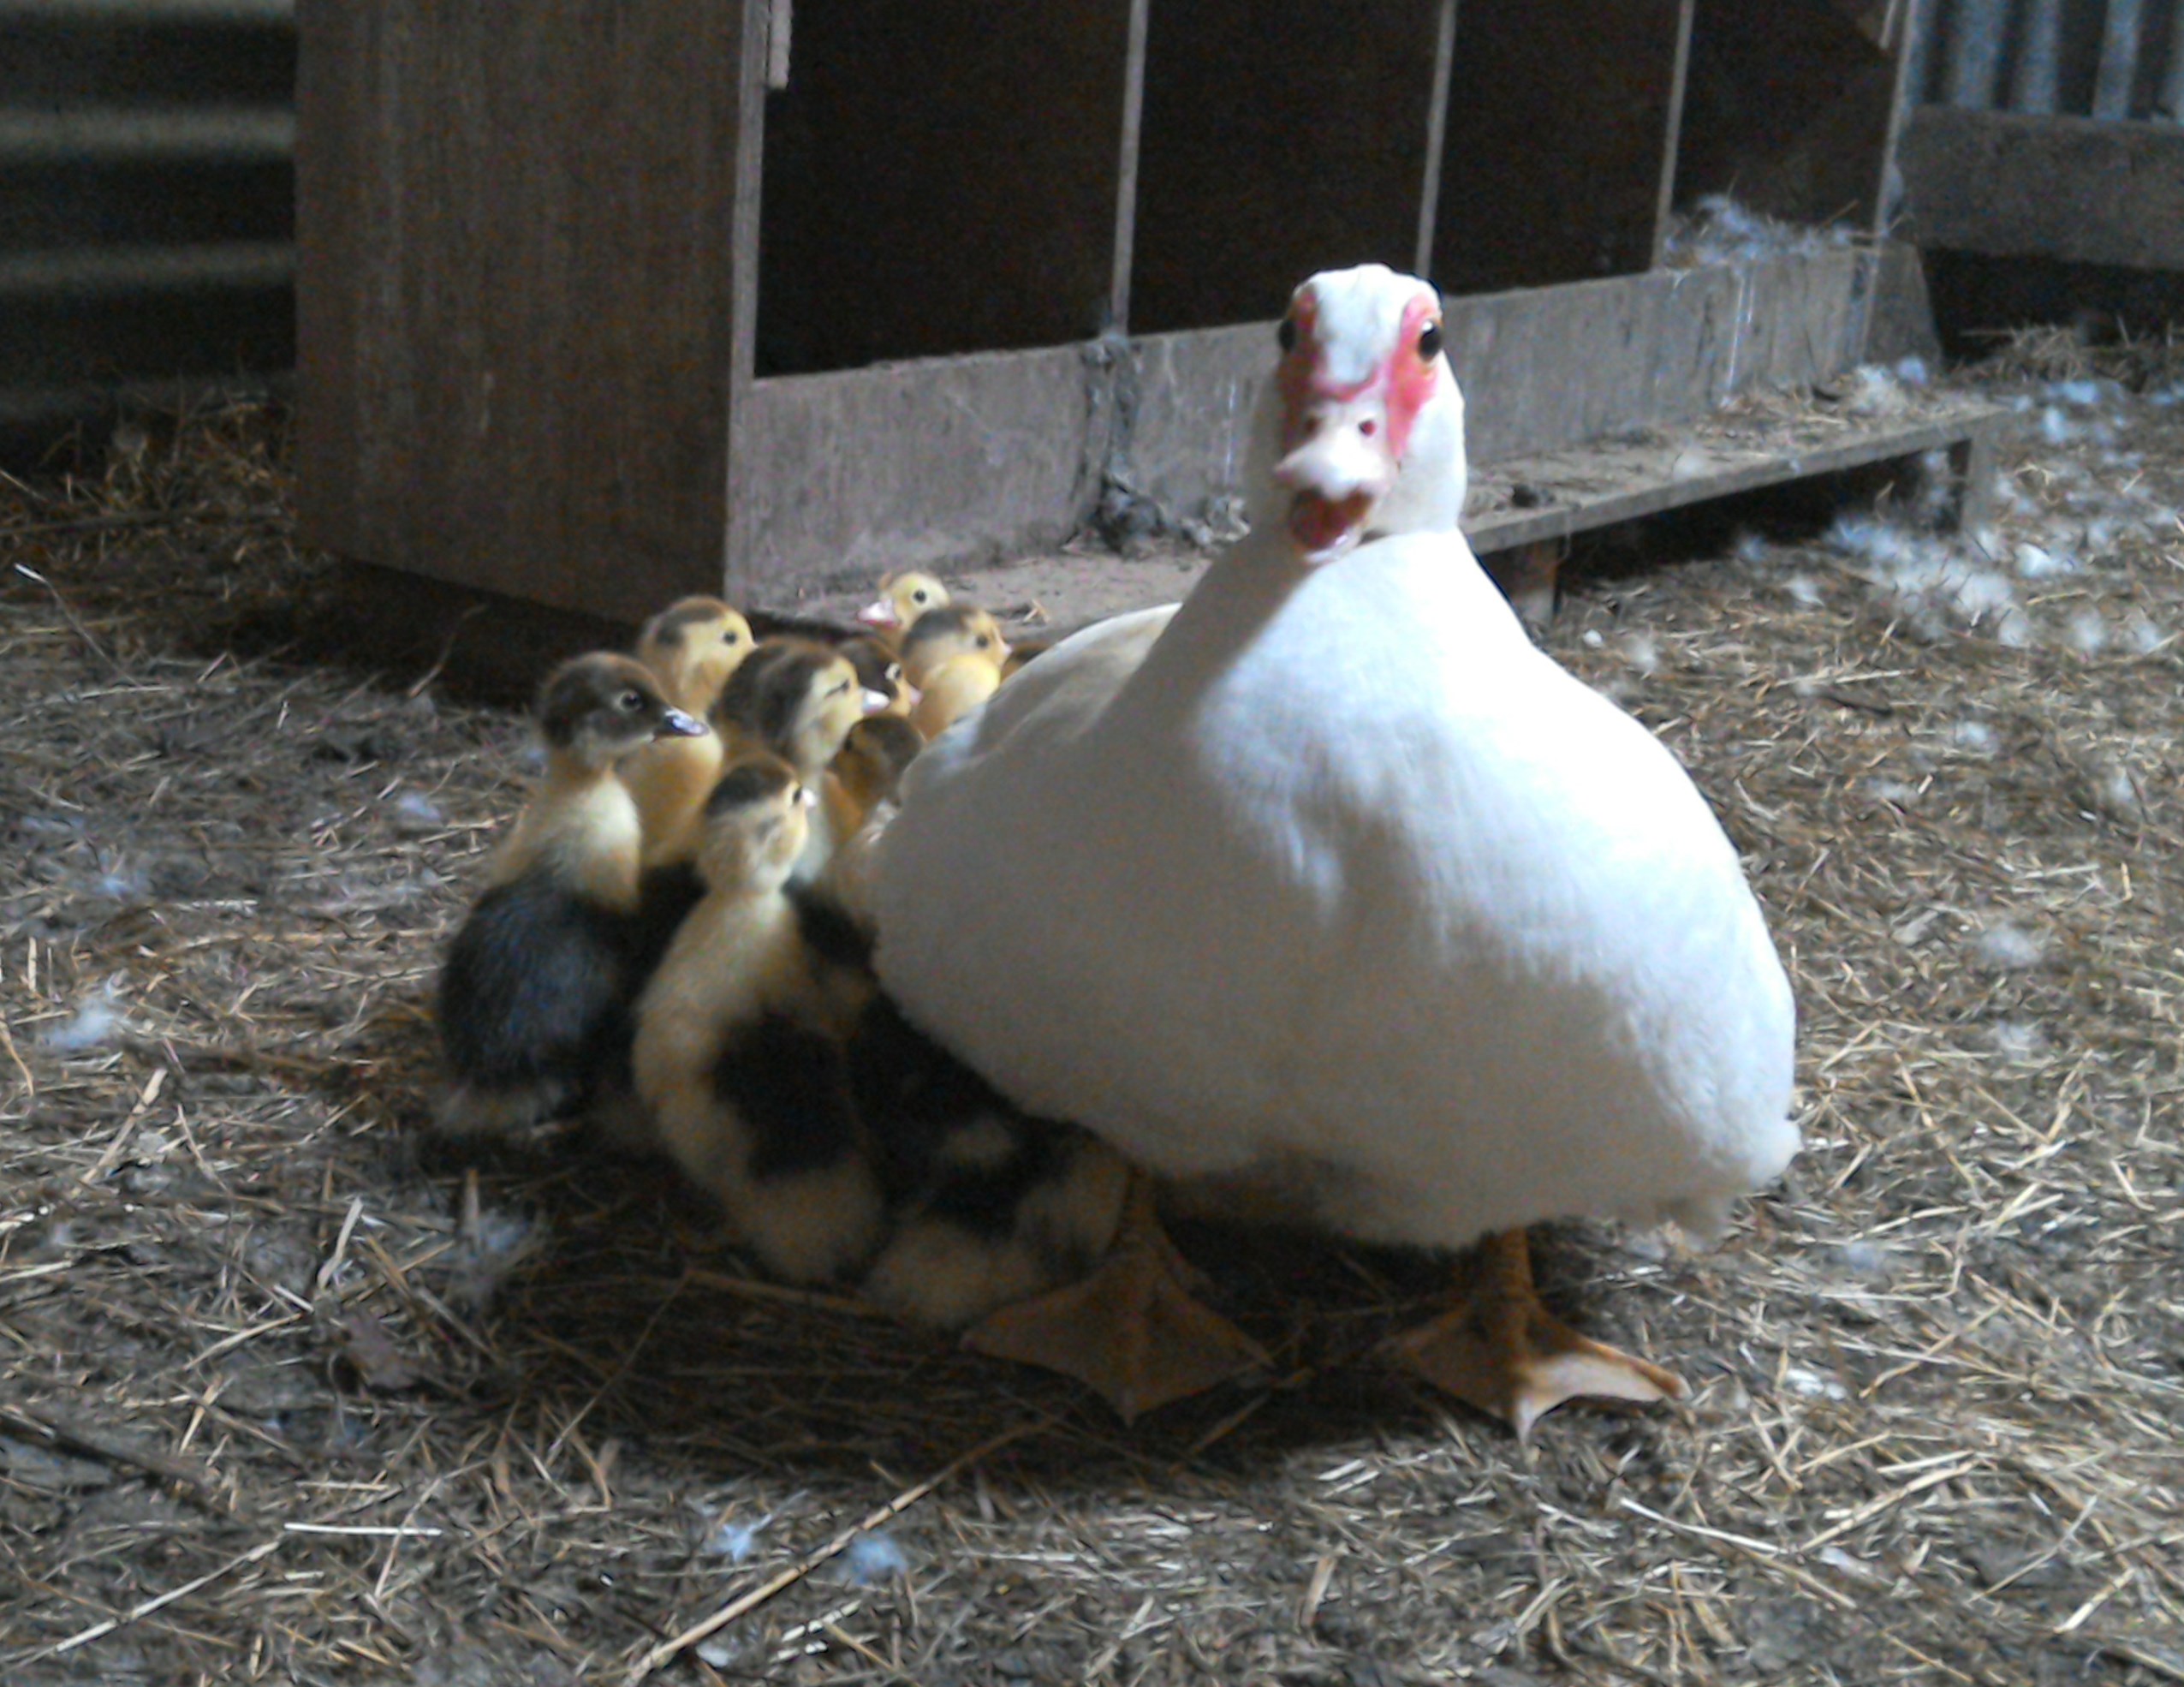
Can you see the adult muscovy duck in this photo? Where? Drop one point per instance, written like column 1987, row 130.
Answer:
column 1328, row 884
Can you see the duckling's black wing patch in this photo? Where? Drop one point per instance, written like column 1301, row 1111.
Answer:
column 944, row 1138
column 535, row 987
column 665, row 895
column 828, row 930
column 788, row 1085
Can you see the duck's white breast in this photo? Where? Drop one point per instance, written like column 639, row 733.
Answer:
column 1379, row 890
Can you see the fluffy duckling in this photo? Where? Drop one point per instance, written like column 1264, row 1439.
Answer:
column 861, row 788
column 954, row 656
column 738, row 1055
column 534, row 998
column 990, row 1206
column 903, row 598
column 798, row 699
column 880, row 671
column 692, row 646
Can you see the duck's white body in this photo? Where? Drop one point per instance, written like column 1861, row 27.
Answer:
column 1333, row 882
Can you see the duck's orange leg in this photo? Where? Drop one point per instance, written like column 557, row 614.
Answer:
column 1501, row 1350
column 1134, row 1330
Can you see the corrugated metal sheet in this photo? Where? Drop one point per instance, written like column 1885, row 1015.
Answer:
column 147, row 199
column 2082, row 58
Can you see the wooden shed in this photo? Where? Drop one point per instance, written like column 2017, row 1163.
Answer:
column 604, row 301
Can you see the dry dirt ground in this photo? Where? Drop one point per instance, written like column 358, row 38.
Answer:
column 288, row 1393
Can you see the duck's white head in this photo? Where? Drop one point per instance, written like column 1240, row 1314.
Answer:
column 1361, row 434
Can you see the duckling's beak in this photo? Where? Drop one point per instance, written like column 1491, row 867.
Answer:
column 676, row 724
column 1339, row 467
column 876, row 702
column 881, row 614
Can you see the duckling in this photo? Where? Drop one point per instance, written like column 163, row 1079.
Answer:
column 534, row 998
column 692, row 646
column 954, row 656
column 879, row 669
column 990, row 1206
column 903, row 598
column 738, row 1053
column 798, row 699
column 862, row 787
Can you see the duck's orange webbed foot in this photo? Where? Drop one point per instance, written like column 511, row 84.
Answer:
column 1501, row 1350
column 1134, row 1331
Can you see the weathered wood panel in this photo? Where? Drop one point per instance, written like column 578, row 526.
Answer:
column 1561, row 116
column 842, row 477
column 945, row 461
column 2062, row 187
column 1278, row 141
column 939, row 178
column 1541, row 368
column 515, row 266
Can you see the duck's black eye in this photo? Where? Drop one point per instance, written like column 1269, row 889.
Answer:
column 630, row 702
column 985, row 642
column 919, row 596
column 731, row 636
column 1286, row 335
column 894, row 673
column 1429, row 342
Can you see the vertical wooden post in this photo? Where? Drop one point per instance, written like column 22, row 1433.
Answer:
column 1125, row 174
column 1437, row 135
column 738, row 565
column 1672, row 131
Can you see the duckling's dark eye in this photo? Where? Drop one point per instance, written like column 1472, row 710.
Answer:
column 919, row 595
column 1429, row 342
column 1286, row 335
column 731, row 636
column 630, row 702
column 840, row 690
column 985, row 642
column 894, row 673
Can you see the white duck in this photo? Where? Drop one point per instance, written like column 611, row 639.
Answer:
column 1334, row 884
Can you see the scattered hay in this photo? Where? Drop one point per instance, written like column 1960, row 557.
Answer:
column 288, row 1396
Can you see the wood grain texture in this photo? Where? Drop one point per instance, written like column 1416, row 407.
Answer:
column 515, row 270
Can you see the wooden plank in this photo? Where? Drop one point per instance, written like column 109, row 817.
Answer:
column 514, row 234
column 1589, row 487
column 1541, row 367
column 845, row 476
column 1558, row 119
column 940, row 177
column 2071, row 188
column 1600, row 486
column 1277, row 141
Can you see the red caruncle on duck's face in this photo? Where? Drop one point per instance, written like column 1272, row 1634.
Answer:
column 1350, row 398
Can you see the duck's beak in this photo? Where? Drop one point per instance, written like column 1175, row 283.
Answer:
column 1339, row 467
column 876, row 702
column 674, row 724
column 882, row 614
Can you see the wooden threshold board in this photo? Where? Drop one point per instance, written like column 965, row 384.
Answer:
column 1761, row 443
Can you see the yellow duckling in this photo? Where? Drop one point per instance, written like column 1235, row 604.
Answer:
column 903, row 598
column 954, row 656
column 533, row 1000
column 693, row 647
column 738, row 1052
column 797, row 699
